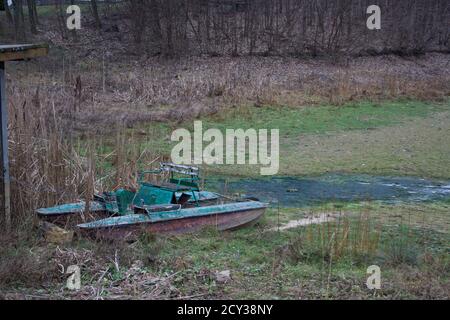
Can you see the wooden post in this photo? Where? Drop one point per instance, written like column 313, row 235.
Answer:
column 6, row 199
column 10, row 53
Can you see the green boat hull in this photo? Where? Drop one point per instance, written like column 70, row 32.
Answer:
column 222, row 217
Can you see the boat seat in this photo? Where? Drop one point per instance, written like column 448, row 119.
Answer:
column 173, row 187
column 184, row 198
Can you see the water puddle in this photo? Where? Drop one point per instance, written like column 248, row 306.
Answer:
column 297, row 192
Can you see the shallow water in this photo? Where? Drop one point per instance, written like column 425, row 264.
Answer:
column 296, row 192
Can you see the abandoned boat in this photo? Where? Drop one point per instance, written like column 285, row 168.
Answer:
column 175, row 206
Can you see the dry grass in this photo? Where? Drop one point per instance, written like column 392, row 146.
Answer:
column 322, row 261
column 51, row 165
column 330, row 242
column 95, row 90
column 111, row 271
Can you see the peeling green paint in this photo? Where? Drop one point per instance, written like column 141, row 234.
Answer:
column 133, row 219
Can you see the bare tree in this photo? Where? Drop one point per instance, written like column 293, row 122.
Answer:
column 98, row 23
column 275, row 27
column 19, row 22
column 31, row 15
column 9, row 16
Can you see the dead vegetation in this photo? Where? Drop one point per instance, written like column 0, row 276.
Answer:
column 326, row 261
column 175, row 90
column 107, row 272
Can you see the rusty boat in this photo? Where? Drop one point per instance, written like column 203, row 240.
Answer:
column 173, row 206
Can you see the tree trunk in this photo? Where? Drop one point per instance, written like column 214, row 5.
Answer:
column 36, row 19
column 60, row 19
column 31, row 16
column 18, row 19
column 8, row 13
column 98, row 23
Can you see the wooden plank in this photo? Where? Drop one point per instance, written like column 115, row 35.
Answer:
column 22, row 51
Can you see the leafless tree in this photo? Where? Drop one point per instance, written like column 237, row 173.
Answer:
column 271, row 27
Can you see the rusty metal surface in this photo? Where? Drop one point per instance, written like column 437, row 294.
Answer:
column 221, row 222
column 195, row 212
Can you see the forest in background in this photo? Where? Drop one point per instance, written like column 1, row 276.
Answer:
column 243, row 27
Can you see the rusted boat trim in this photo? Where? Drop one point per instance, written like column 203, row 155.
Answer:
column 221, row 221
column 174, row 215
